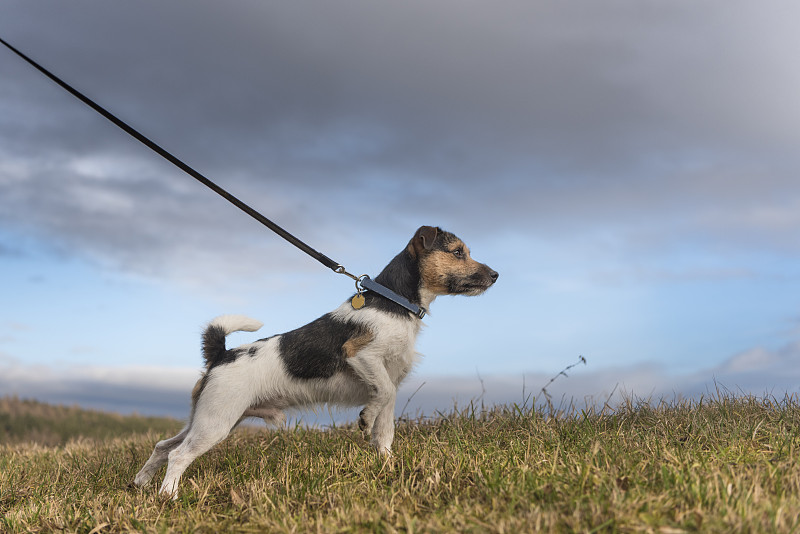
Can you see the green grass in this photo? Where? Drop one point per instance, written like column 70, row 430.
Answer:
column 722, row 465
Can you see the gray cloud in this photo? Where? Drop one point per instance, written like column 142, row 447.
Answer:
column 660, row 124
column 165, row 391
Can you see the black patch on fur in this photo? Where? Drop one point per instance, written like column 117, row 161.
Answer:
column 214, row 351
column 315, row 350
column 402, row 277
column 229, row 356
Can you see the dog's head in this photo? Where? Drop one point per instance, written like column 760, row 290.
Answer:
column 445, row 266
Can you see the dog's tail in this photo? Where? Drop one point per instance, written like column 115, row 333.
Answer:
column 214, row 335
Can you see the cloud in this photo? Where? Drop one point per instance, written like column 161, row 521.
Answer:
column 756, row 367
column 165, row 390
column 144, row 390
column 641, row 122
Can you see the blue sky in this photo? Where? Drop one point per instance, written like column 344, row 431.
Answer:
column 630, row 169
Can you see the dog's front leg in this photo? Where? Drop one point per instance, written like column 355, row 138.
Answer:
column 383, row 431
column 377, row 417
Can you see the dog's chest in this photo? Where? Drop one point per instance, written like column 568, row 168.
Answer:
column 396, row 345
column 394, row 338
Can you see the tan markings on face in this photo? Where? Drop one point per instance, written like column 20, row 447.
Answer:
column 437, row 266
column 356, row 343
column 196, row 390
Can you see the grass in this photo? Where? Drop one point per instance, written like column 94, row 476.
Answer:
column 31, row 421
column 721, row 465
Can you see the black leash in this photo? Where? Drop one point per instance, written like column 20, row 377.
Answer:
column 362, row 282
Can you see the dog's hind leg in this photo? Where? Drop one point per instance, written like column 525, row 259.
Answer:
column 159, row 457
column 270, row 415
column 163, row 448
column 215, row 416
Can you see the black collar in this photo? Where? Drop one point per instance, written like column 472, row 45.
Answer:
column 371, row 285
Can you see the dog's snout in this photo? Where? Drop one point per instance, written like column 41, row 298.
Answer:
column 493, row 275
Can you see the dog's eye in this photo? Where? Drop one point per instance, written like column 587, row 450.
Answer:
column 458, row 253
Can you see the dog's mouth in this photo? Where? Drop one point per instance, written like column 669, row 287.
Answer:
column 472, row 290
column 474, row 285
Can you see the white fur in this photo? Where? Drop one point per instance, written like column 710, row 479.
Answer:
column 236, row 323
column 259, row 386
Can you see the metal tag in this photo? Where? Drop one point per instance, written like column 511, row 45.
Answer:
column 358, row 301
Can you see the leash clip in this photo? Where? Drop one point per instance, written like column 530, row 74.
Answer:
column 341, row 270
column 358, row 301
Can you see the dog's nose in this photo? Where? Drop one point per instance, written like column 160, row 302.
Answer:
column 493, row 275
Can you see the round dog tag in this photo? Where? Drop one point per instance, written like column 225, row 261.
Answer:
column 358, row 301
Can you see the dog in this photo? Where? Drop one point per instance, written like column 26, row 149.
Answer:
column 348, row 357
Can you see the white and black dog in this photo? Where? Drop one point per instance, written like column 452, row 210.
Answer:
column 348, row 357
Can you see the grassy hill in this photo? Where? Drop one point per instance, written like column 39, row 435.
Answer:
column 724, row 465
column 29, row 421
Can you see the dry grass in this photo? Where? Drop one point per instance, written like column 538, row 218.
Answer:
column 725, row 465
column 23, row 421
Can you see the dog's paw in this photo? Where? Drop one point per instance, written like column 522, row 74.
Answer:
column 141, row 479
column 384, row 451
column 363, row 424
column 169, row 491
column 168, row 496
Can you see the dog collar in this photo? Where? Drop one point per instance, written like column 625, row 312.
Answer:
column 371, row 285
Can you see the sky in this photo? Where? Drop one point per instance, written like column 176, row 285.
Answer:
column 629, row 168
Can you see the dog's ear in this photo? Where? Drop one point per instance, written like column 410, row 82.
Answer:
column 423, row 240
